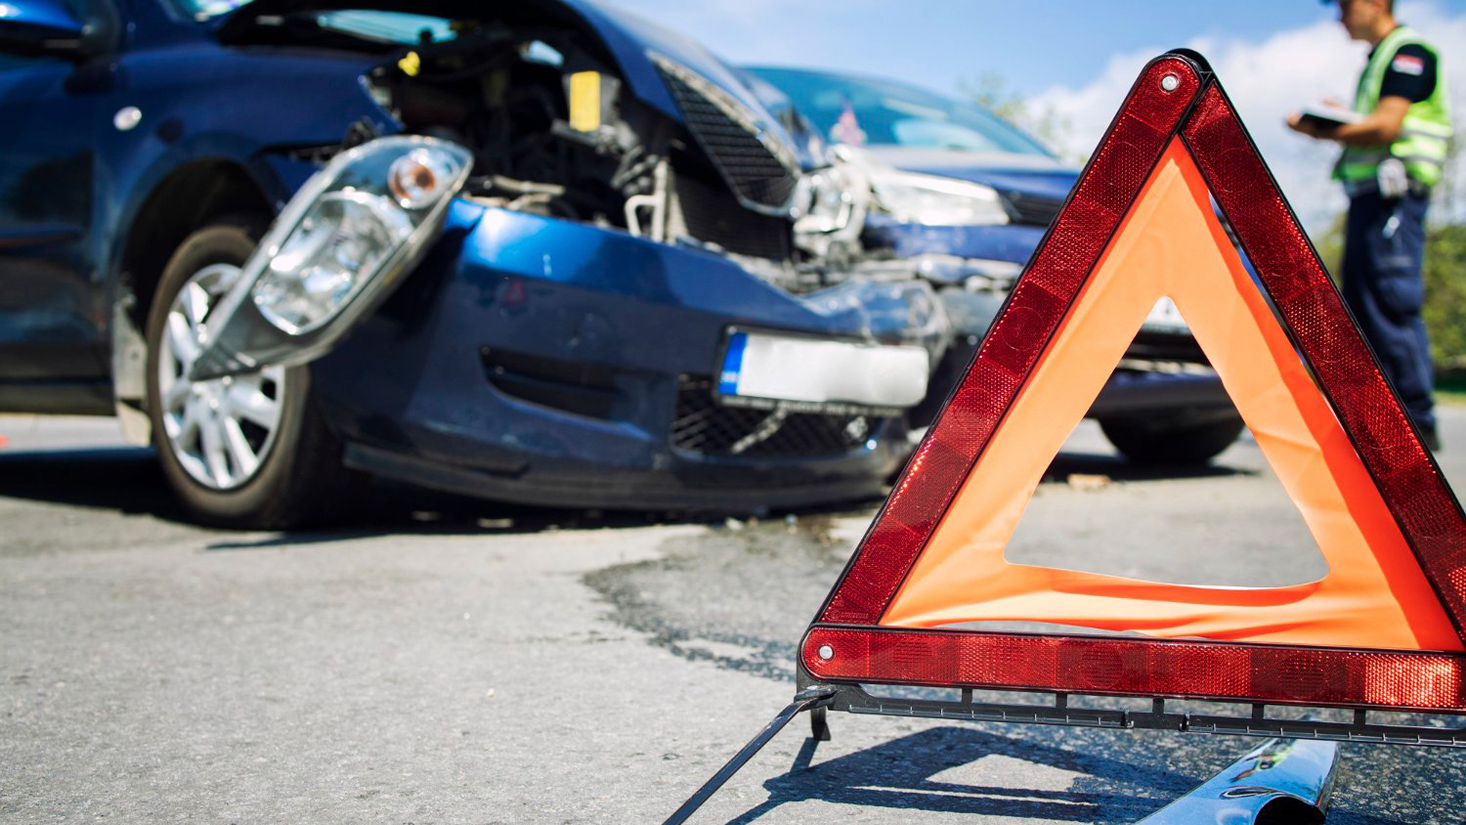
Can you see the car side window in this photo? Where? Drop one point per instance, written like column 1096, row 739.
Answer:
column 9, row 62
column 14, row 62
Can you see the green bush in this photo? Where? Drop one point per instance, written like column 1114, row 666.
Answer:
column 1445, row 294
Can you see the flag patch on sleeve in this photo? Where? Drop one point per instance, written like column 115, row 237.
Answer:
column 1408, row 64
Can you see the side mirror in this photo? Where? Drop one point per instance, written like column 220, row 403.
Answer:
column 36, row 28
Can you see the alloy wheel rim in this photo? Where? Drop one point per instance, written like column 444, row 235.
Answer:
column 220, row 430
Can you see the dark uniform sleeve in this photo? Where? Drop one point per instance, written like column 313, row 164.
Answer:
column 1411, row 74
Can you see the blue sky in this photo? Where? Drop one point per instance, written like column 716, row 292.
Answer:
column 1036, row 45
column 1078, row 57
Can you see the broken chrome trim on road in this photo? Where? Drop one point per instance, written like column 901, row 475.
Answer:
column 335, row 253
column 1281, row 780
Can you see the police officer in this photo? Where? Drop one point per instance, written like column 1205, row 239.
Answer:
column 1393, row 154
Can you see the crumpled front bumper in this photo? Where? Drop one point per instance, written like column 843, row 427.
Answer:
column 545, row 361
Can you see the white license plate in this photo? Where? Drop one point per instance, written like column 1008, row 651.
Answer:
column 784, row 368
column 1165, row 317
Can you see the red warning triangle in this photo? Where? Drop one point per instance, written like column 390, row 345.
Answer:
column 1384, row 628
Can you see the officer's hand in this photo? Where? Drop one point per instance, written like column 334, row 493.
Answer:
column 1307, row 127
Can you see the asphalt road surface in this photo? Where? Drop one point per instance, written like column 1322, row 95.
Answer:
column 445, row 661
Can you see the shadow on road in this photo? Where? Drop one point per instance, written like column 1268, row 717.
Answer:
column 904, row 773
column 1067, row 464
column 125, row 479
column 128, row 480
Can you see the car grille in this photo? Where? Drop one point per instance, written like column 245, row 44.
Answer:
column 705, row 427
column 712, row 215
column 750, row 162
column 1034, row 210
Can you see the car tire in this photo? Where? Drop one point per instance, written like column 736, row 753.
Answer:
column 249, row 451
column 1172, row 440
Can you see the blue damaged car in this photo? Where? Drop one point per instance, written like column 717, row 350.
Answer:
column 541, row 251
column 967, row 197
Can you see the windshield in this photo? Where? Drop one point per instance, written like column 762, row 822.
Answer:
column 862, row 111
column 204, row 9
column 382, row 26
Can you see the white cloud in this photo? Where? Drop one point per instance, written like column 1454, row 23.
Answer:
column 1267, row 80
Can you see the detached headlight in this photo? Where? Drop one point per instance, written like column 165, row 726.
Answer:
column 418, row 178
column 334, row 253
column 324, row 263
column 937, row 201
column 370, row 205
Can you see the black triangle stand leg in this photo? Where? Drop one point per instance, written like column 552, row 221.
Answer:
column 819, row 726
column 809, row 700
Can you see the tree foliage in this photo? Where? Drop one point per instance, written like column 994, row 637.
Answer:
column 1445, row 293
column 992, row 92
column 1445, row 263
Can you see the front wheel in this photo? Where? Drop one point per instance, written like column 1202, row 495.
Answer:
column 1187, row 439
column 249, row 450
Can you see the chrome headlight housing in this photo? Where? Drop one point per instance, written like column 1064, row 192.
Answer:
column 346, row 236
column 334, row 253
column 937, row 201
column 833, row 202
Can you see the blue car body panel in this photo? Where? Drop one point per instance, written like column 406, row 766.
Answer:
column 321, row 96
column 1009, row 243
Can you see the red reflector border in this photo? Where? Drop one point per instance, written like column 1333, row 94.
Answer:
column 1106, row 665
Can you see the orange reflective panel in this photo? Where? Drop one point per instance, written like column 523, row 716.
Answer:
column 1171, row 244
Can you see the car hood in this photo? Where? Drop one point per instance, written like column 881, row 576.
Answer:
column 1032, row 175
column 631, row 40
